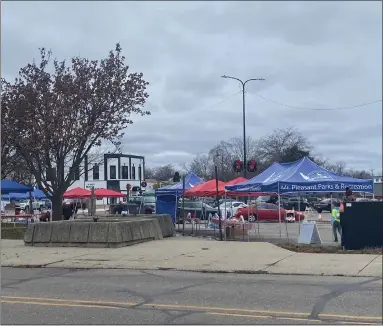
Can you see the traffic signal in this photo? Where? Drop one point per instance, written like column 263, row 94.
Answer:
column 176, row 177
column 251, row 166
column 238, row 166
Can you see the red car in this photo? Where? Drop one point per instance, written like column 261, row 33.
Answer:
column 266, row 212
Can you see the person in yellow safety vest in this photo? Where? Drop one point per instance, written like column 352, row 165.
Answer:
column 336, row 228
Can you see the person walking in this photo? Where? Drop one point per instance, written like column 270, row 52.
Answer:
column 336, row 228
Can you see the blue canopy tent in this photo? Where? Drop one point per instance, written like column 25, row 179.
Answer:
column 255, row 184
column 8, row 186
column 167, row 197
column 303, row 176
column 37, row 194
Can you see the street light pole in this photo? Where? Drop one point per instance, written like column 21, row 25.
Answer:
column 244, row 118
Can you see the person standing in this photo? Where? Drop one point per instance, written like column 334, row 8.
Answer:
column 336, row 228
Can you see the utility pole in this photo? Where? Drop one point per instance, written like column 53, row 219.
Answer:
column 218, row 155
column 244, row 117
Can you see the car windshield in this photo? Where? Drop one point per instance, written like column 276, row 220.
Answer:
column 149, row 199
column 261, row 199
column 221, row 201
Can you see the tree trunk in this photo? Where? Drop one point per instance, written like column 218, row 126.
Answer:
column 57, row 207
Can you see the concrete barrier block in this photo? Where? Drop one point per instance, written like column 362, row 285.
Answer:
column 79, row 232
column 136, row 230
column 98, row 232
column 28, row 235
column 114, row 234
column 42, row 233
column 126, row 231
column 60, row 232
column 166, row 225
column 155, row 230
column 145, row 225
column 105, row 233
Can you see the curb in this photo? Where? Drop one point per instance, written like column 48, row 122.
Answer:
column 203, row 271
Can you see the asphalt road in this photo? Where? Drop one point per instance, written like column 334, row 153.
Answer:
column 62, row 296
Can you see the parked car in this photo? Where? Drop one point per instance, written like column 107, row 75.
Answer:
column 197, row 209
column 47, row 203
column 36, row 205
column 366, row 200
column 145, row 202
column 265, row 212
column 295, row 203
column 79, row 204
column 231, row 207
column 313, row 200
column 325, row 205
column 267, row 199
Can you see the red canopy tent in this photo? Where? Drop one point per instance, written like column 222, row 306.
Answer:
column 201, row 189
column 208, row 189
column 211, row 191
column 235, row 181
column 107, row 193
column 221, row 188
column 77, row 193
column 190, row 192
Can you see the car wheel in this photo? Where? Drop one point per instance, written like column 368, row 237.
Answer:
column 319, row 210
column 253, row 218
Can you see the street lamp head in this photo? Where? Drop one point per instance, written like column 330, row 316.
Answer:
column 224, row 76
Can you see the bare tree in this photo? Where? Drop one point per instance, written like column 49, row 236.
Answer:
column 149, row 173
column 283, row 145
column 359, row 174
column 57, row 114
column 337, row 167
column 202, row 165
column 164, row 173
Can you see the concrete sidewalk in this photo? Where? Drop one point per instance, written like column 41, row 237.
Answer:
column 193, row 254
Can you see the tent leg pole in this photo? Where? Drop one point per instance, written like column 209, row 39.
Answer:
column 299, row 215
column 248, row 222
column 256, row 212
column 279, row 213
column 224, row 224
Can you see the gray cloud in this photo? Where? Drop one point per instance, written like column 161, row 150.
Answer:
column 312, row 54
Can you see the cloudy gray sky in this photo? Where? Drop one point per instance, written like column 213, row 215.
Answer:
column 312, row 54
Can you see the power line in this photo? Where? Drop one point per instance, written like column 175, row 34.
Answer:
column 318, row 109
column 213, row 106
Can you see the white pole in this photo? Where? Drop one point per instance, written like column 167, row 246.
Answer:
column 279, row 209
column 256, row 213
column 175, row 212
column 224, row 221
column 299, row 214
column 248, row 223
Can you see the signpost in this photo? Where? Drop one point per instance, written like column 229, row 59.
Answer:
column 309, row 234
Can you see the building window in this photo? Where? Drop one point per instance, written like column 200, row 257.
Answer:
column 133, row 176
column 96, row 172
column 112, row 172
column 125, row 172
column 76, row 173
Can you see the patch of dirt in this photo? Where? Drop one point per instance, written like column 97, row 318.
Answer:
column 328, row 249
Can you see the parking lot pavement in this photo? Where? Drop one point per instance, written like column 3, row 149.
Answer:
column 270, row 231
